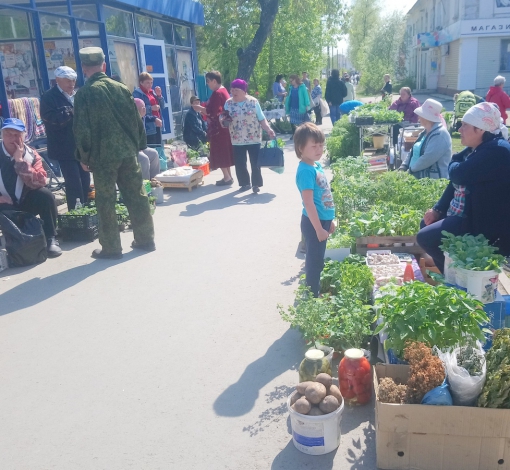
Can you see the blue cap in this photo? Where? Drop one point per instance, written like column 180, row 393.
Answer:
column 14, row 123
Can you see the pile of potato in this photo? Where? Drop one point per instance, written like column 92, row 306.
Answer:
column 316, row 398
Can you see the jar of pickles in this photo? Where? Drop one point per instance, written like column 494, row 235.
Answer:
column 355, row 378
column 312, row 365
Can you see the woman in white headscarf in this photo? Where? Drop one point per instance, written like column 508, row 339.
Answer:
column 476, row 199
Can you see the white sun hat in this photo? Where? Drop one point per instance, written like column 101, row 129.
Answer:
column 430, row 110
column 485, row 116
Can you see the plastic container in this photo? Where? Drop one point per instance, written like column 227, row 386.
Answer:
column 379, row 141
column 157, row 192
column 480, row 284
column 204, row 168
column 449, row 272
column 313, row 364
column 355, row 377
column 408, row 272
column 315, row 435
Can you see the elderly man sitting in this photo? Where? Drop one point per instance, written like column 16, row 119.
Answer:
column 148, row 158
column 23, row 181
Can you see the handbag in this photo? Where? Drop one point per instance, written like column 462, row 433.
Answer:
column 271, row 156
column 324, row 108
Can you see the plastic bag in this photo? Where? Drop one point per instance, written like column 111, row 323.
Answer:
column 24, row 238
column 465, row 388
column 438, row 396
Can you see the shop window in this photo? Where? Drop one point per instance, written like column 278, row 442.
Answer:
column 505, row 56
column 19, row 69
column 182, row 35
column 186, row 78
column 143, row 25
column 86, row 28
column 123, row 62
column 175, row 94
column 81, row 13
column 118, row 23
column 14, row 24
column 163, row 31
column 55, row 26
column 58, row 52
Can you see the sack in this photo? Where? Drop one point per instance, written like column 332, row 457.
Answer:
column 438, row 396
column 24, row 238
column 271, row 156
column 465, row 100
column 465, row 388
column 324, row 108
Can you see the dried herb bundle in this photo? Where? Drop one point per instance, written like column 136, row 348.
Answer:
column 471, row 361
column 390, row 392
column 426, row 371
column 496, row 391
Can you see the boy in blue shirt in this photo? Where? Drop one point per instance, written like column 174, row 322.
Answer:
column 318, row 207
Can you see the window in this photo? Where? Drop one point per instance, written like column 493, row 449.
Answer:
column 59, row 52
column 182, row 35
column 123, row 62
column 186, row 78
column 505, row 56
column 84, row 12
column 13, row 24
column 163, row 31
column 19, row 68
column 143, row 24
column 55, row 26
column 118, row 23
column 175, row 94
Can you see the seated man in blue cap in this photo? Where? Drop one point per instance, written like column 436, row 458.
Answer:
column 23, row 181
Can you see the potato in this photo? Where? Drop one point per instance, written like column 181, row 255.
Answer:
column 302, row 406
column 329, row 404
column 315, row 411
column 335, row 392
column 315, row 392
column 324, row 379
column 295, row 397
column 302, row 387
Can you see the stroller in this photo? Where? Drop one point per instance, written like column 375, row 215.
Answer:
column 462, row 102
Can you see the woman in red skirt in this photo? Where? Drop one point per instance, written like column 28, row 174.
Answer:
column 221, row 153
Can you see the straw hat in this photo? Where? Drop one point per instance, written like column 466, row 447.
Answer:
column 430, row 110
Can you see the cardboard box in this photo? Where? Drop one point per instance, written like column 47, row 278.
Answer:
column 426, row 437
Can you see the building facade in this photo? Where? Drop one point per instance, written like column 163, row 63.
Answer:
column 156, row 36
column 456, row 45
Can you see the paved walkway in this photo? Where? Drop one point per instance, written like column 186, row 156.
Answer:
column 175, row 359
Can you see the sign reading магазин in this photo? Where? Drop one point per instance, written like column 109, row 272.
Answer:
column 485, row 27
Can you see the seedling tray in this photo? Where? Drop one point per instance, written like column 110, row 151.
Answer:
column 77, row 221
column 79, row 235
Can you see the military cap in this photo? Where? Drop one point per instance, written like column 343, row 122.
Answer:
column 91, row 56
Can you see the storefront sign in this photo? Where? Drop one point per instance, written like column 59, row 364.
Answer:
column 489, row 27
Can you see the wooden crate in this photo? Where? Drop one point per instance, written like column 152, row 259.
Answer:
column 362, row 242
column 194, row 181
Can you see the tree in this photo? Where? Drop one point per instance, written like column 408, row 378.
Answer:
column 364, row 19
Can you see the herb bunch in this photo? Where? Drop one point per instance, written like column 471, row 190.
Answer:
column 390, row 392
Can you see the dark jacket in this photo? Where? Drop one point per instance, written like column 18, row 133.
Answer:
column 195, row 129
column 336, row 91
column 150, row 119
column 57, row 114
column 486, row 174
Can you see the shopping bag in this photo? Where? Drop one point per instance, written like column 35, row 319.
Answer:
column 324, row 108
column 24, row 238
column 271, row 156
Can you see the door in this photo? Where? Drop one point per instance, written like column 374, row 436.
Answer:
column 153, row 57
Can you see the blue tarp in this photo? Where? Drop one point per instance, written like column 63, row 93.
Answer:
column 185, row 10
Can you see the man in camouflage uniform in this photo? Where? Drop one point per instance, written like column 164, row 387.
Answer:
column 109, row 133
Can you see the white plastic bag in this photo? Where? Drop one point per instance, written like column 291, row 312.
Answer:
column 465, row 388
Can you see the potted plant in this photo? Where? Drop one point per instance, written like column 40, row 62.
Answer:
column 339, row 246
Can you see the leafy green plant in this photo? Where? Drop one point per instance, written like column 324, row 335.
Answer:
column 85, row 210
column 435, row 315
column 340, row 239
column 355, row 259
column 468, row 358
column 472, row 253
column 355, row 279
column 344, row 140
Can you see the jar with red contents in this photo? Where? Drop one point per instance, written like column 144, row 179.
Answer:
column 355, row 377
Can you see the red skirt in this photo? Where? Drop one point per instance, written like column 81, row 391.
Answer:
column 221, row 152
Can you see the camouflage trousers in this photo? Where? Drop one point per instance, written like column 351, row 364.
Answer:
column 128, row 177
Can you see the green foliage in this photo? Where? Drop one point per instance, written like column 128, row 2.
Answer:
column 340, row 239
column 435, row 315
column 85, row 210
column 356, row 279
column 469, row 358
column 472, row 253
column 344, row 140
column 364, row 18
column 496, row 390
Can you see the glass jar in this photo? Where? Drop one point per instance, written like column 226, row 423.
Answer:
column 312, row 365
column 355, row 377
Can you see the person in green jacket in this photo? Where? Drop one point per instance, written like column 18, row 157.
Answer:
column 109, row 134
column 297, row 104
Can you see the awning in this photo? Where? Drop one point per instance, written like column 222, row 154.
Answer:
column 189, row 11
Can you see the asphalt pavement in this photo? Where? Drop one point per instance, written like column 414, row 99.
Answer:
column 175, row 359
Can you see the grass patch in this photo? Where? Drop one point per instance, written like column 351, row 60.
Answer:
column 456, row 145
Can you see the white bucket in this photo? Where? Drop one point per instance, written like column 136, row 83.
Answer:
column 315, row 435
column 449, row 272
column 158, row 194
column 337, row 254
column 480, row 284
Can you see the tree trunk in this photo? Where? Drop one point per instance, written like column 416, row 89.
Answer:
column 270, row 68
column 248, row 56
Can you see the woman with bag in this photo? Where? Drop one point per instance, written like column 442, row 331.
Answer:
column 297, row 104
column 247, row 122
column 316, row 100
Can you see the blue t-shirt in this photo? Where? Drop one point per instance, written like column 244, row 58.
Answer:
column 313, row 177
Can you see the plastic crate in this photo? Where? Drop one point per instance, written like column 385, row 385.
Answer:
column 204, row 168
column 364, row 120
column 77, row 221
column 79, row 235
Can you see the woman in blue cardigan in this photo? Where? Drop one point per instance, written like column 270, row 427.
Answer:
column 476, row 199
column 297, row 104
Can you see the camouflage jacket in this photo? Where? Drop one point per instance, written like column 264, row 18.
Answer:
column 107, row 126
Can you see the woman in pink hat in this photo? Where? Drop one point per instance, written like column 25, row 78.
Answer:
column 432, row 152
column 476, row 199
